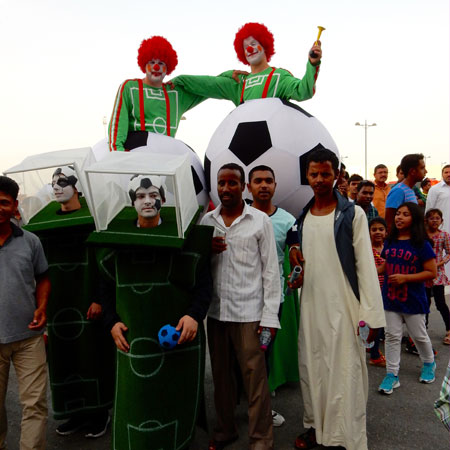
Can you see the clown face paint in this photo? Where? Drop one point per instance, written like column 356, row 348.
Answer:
column 148, row 202
column 254, row 51
column 156, row 70
column 62, row 189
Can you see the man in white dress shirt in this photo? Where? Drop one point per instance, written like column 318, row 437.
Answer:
column 439, row 197
column 246, row 297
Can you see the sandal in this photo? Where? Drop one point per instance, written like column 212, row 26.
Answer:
column 306, row 440
column 379, row 362
column 446, row 340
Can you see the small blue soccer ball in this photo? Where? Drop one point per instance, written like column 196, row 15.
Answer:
column 168, row 337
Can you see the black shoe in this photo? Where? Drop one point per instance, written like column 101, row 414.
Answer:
column 71, row 426
column 98, row 428
column 411, row 347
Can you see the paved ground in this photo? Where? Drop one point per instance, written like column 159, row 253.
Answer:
column 403, row 421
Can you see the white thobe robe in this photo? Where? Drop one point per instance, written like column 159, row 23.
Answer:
column 333, row 370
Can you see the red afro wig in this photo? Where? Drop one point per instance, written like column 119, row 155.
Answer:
column 157, row 47
column 260, row 33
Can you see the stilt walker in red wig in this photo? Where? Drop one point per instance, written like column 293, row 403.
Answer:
column 148, row 105
column 254, row 45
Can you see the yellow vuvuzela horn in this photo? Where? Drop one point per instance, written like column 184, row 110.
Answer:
column 319, row 33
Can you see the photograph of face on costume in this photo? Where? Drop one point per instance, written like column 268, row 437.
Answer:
column 147, row 196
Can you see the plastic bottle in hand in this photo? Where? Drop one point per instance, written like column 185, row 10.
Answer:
column 364, row 331
column 264, row 338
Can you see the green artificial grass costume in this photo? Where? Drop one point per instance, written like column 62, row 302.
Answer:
column 80, row 353
column 283, row 359
column 159, row 393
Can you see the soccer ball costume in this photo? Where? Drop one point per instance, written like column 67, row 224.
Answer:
column 253, row 141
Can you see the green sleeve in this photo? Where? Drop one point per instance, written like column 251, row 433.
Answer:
column 118, row 126
column 221, row 87
column 188, row 99
column 299, row 89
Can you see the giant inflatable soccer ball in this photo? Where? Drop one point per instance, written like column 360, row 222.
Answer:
column 158, row 143
column 275, row 133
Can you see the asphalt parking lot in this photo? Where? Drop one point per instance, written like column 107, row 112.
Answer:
column 402, row 421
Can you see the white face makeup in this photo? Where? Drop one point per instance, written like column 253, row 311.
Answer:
column 254, row 51
column 62, row 189
column 156, row 71
column 148, row 202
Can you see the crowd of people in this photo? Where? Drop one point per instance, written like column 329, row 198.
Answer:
column 385, row 271
column 367, row 239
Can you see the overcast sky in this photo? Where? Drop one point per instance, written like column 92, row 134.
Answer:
column 384, row 61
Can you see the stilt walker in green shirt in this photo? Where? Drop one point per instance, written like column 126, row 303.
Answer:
column 80, row 352
column 254, row 45
column 148, row 105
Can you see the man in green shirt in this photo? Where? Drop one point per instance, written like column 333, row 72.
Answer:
column 148, row 105
column 254, row 45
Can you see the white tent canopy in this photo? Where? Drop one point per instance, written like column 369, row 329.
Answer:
column 108, row 184
column 34, row 177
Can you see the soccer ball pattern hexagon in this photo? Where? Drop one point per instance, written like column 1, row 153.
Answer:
column 168, row 337
column 275, row 133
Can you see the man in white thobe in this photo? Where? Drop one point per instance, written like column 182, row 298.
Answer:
column 340, row 288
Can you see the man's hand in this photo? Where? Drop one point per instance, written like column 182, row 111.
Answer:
column 39, row 319
column 236, row 74
column 315, row 54
column 117, row 332
column 397, row 278
column 296, row 256
column 94, row 311
column 189, row 327
column 296, row 259
column 297, row 283
column 218, row 244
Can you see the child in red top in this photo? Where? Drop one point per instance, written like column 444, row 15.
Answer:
column 435, row 288
column 378, row 233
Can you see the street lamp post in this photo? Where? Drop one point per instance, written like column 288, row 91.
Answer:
column 365, row 143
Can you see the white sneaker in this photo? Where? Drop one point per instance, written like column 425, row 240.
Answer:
column 277, row 419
